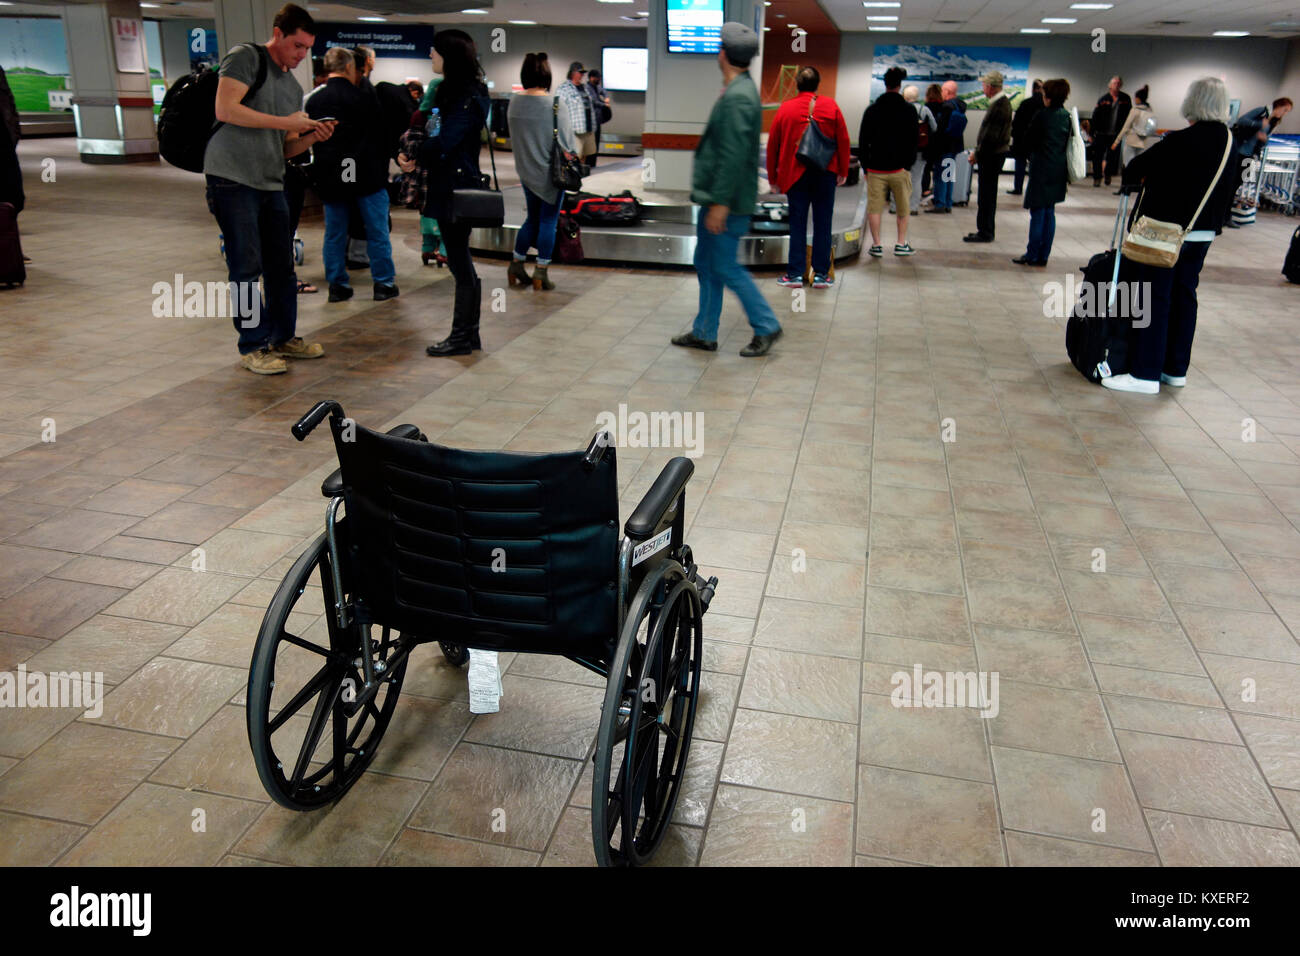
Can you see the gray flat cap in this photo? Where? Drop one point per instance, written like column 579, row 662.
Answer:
column 740, row 42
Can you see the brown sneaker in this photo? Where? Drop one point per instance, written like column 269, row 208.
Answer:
column 298, row 349
column 262, row 362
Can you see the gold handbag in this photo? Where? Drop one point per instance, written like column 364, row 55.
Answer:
column 1156, row 243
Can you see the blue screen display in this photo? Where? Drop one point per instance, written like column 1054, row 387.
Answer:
column 695, row 26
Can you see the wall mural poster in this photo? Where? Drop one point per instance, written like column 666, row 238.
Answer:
column 963, row 64
column 35, row 60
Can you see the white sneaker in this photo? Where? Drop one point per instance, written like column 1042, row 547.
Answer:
column 1127, row 383
column 1177, row 381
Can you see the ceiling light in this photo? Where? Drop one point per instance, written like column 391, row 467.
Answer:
column 147, row 6
column 886, row 19
column 372, row 19
column 766, row 29
column 1059, row 20
column 1091, row 6
column 476, row 12
column 883, row 29
column 524, row 23
column 1231, row 33
column 874, row 3
column 1034, row 30
column 613, row 1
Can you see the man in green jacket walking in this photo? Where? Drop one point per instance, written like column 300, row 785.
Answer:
column 725, row 185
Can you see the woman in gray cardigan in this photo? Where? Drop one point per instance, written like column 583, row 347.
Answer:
column 533, row 120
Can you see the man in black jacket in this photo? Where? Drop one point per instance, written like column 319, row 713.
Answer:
column 991, row 146
column 1025, row 114
column 352, row 166
column 887, row 149
column 1108, row 118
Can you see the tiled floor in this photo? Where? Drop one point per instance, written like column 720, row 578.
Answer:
column 1148, row 713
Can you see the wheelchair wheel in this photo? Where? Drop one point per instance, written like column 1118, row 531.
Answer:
column 647, row 720
column 312, row 736
column 456, row 654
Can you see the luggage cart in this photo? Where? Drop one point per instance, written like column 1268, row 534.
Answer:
column 1279, row 175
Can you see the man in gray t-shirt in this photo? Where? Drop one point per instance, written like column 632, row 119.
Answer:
column 244, row 167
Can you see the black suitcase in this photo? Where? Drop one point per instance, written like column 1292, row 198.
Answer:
column 1096, row 338
column 12, row 270
column 1291, row 267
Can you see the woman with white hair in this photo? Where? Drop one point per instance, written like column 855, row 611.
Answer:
column 923, row 116
column 1177, row 175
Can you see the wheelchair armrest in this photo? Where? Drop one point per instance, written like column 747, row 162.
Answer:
column 661, row 496
column 332, row 486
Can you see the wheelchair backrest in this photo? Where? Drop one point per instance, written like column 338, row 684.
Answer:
column 490, row 549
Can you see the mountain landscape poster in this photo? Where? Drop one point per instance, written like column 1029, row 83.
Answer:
column 926, row 64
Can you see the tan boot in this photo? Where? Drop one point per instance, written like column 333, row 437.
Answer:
column 540, row 280
column 263, row 362
column 518, row 275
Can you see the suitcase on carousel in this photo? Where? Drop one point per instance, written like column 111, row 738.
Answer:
column 12, row 270
column 961, row 186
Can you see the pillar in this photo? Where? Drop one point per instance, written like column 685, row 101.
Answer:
column 113, row 102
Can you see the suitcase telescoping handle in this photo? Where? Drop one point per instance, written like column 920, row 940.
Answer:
column 1120, row 216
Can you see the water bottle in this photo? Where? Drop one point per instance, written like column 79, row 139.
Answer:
column 434, row 126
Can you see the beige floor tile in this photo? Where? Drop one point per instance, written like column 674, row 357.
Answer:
column 1030, row 849
column 1156, row 685
column 1056, row 795
column 915, row 614
column 900, row 532
column 948, row 741
column 928, row 819
column 829, row 507
column 1256, row 687
column 916, row 570
column 910, row 502
column 540, row 716
column 160, row 826
column 931, row 655
column 421, row 735
column 571, row 845
column 740, row 514
column 109, row 762
column 1275, row 745
column 809, row 628
column 1183, row 547
column 1052, row 719
column 1036, row 657
column 1214, row 586
column 817, row 581
column 760, row 828
column 1198, row 777
column 417, row 848
column 1121, row 596
column 745, row 550
column 31, row 841
column 984, row 561
column 174, row 596
column 718, row 695
column 171, row 697
column 1272, row 575
column 353, row 831
column 1147, row 644
column 831, row 542
column 791, row 754
column 1197, row 841
column 498, row 796
column 216, row 759
column 805, row 685
column 113, row 646
column 1019, row 604
column 1172, row 719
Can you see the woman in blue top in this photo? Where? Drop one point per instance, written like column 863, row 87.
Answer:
column 450, row 157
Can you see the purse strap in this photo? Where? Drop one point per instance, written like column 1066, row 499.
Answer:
column 1213, row 182
column 487, row 122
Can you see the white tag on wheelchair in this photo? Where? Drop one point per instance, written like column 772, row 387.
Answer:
column 484, row 682
column 647, row 548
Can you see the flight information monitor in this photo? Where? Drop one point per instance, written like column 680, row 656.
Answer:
column 695, row 26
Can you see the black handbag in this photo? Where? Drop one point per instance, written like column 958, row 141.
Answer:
column 565, row 173
column 816, row 149
column 484, row 207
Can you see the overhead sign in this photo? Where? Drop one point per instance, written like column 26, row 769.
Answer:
column 407, row 41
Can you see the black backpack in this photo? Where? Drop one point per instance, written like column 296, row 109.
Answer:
column 189, row 114
column 1291, row 267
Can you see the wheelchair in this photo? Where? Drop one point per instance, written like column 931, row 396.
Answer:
column 495, row 550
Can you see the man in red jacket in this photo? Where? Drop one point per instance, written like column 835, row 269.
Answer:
column 804, row 186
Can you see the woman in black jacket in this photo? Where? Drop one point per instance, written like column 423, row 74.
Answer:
column 1176, row 174
column 450, row 158
column 1045, row 142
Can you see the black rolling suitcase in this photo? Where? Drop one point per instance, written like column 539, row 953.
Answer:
column 1096, row 337
column 1291, row 267
column 12, row 270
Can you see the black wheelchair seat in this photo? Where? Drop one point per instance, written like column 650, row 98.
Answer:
column 332, row 486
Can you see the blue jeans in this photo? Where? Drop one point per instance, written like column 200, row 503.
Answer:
column 944, row 173
column 374, row 212
column 818, row 190
column 1042, row 230
column 538, row 229
column 1022, row 166
column 255, row 227
column 716, row 266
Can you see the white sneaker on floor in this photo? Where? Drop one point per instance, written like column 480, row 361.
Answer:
column 1177, row 381
column 1127, row 383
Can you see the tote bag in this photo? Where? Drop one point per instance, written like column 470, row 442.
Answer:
column 1076, row 155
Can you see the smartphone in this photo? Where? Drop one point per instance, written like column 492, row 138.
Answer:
column 326, row 119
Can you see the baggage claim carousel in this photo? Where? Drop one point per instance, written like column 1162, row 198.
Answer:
column 666, row 234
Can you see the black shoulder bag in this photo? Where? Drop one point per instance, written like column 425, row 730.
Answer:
column 565, row 173
column 816, row 149
column 482, row 207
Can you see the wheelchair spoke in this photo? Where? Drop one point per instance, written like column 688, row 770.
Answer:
column 304, row 644
column 324, row 704
column 291, row 708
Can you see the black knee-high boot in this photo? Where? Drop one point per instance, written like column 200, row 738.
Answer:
column 464, row 323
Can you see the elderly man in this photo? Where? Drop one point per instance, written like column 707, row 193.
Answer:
column 573, row 97
column 952, row 135
column 992, row 144
column 1108, row 118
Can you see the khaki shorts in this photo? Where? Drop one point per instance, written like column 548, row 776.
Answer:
column 880, row 184
column 586, row 144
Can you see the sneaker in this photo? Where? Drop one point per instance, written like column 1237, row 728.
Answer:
column 904, row 249
column 262, row 362
column 822, row 282
column 790, row 282
column 384, row 292
column 1177, row 381
column 689, row 340
column 1127, row 383
column 340, row 293
column 298, row 349
column 760, row 345
column 875, row 252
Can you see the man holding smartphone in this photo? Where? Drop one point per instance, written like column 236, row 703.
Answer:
column 352, row 168
column 244, row 167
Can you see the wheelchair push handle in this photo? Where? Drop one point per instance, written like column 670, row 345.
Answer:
column 308, row 422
